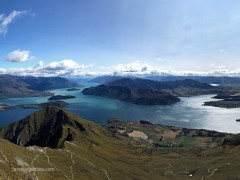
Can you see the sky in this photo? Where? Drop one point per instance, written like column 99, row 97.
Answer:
column 93, row 37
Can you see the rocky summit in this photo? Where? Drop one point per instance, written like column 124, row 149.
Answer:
column 50, row 127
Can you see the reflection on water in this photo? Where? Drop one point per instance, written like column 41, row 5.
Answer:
column 188, row 113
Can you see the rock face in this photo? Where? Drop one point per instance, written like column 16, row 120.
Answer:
column 136, row 96
column 50, row 127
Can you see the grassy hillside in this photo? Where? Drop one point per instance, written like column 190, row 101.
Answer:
column 98, row 153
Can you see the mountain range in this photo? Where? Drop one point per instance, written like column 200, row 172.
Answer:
column 150, row 84
column 19, row 86
column 222, row 80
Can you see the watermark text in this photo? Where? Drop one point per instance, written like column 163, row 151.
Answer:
column 32, row 169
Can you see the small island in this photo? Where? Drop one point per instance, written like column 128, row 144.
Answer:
column 73, row 89
column 59, row 97
column 223, row 103
column 228, row 100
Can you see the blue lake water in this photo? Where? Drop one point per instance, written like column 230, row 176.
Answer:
column 188, row 113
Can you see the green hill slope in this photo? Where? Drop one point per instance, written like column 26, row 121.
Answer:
column 93, row 152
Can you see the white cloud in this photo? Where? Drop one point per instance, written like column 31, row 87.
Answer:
column 66, row 67
column 70, row 68
column 132, row 68
column 66, row 64
column 19, row 56
column 5, row 20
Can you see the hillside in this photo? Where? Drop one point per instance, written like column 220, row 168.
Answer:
column 17, row 86
column 122, row 151
column 150, row 84
column 233, row 140
column 186, row 87
column 136, row 96
column 46, row 83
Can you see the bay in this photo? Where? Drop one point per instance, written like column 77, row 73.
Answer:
column 188, row 113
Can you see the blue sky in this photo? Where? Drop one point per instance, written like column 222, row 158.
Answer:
column 77, row 37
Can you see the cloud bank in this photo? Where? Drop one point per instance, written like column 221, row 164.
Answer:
column 19, row 56
column 65, row 67
column 6, row 20
column 70, row 68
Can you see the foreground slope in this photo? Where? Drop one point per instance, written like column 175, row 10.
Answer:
column 97, row 153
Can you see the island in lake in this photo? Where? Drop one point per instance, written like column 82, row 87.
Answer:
column 223, row 103
column 59, row 97
column 229, row 100
column 73, row 89
column 149, row 92
column 133, row 95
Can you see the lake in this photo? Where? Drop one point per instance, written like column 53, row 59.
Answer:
column 188, row 113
